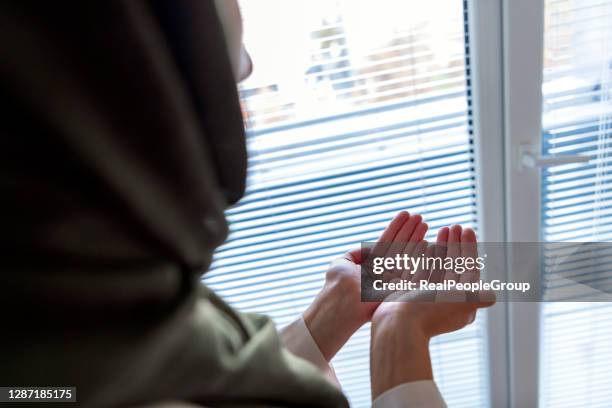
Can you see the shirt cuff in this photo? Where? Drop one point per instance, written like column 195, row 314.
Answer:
column 417, row 394
column 297, row 339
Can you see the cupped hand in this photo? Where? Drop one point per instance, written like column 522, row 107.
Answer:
column 337, row 311
column 402, row 327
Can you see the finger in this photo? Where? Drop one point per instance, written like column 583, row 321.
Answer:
column 418, row 233
column 406, row 231
column 422, row 273
column 453, row 251
column 390, row 232
column 416, row 237
column 454, row 241
column 469, row 251
column 394, row 226
column 437, row 273
column 486, row 298
column 472, row 317
column 403, row 235
column 354, row 255
column 418, row 252
column 430, row 253
column 442, row 241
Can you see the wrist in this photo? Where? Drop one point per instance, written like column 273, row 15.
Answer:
column 399, row 352
column 393, row 327
column 331, row 320
column 391, row 316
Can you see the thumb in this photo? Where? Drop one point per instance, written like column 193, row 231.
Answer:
column 484, row 298
column 356, row 255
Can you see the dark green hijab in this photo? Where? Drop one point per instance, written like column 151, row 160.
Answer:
column 122, row 145
column 122, row 136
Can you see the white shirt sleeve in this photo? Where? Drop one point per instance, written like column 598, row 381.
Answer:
column 419, row 394
column 297, row 339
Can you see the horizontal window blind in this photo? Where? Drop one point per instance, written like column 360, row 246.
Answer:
column 576, row 348
column 355, row 110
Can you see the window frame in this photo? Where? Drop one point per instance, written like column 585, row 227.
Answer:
column 507, row 38
column 523, row 31
column 486, row 103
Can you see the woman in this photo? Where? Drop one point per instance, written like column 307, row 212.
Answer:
column 123, row 144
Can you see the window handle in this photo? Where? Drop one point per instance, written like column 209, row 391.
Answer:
column 532, row 160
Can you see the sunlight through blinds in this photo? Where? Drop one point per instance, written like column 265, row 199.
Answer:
column 576, row 349
column 355, row 110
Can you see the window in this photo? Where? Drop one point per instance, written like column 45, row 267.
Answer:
column 577, row 198
column 356, row 109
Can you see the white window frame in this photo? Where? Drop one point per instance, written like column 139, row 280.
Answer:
column 506, row 52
